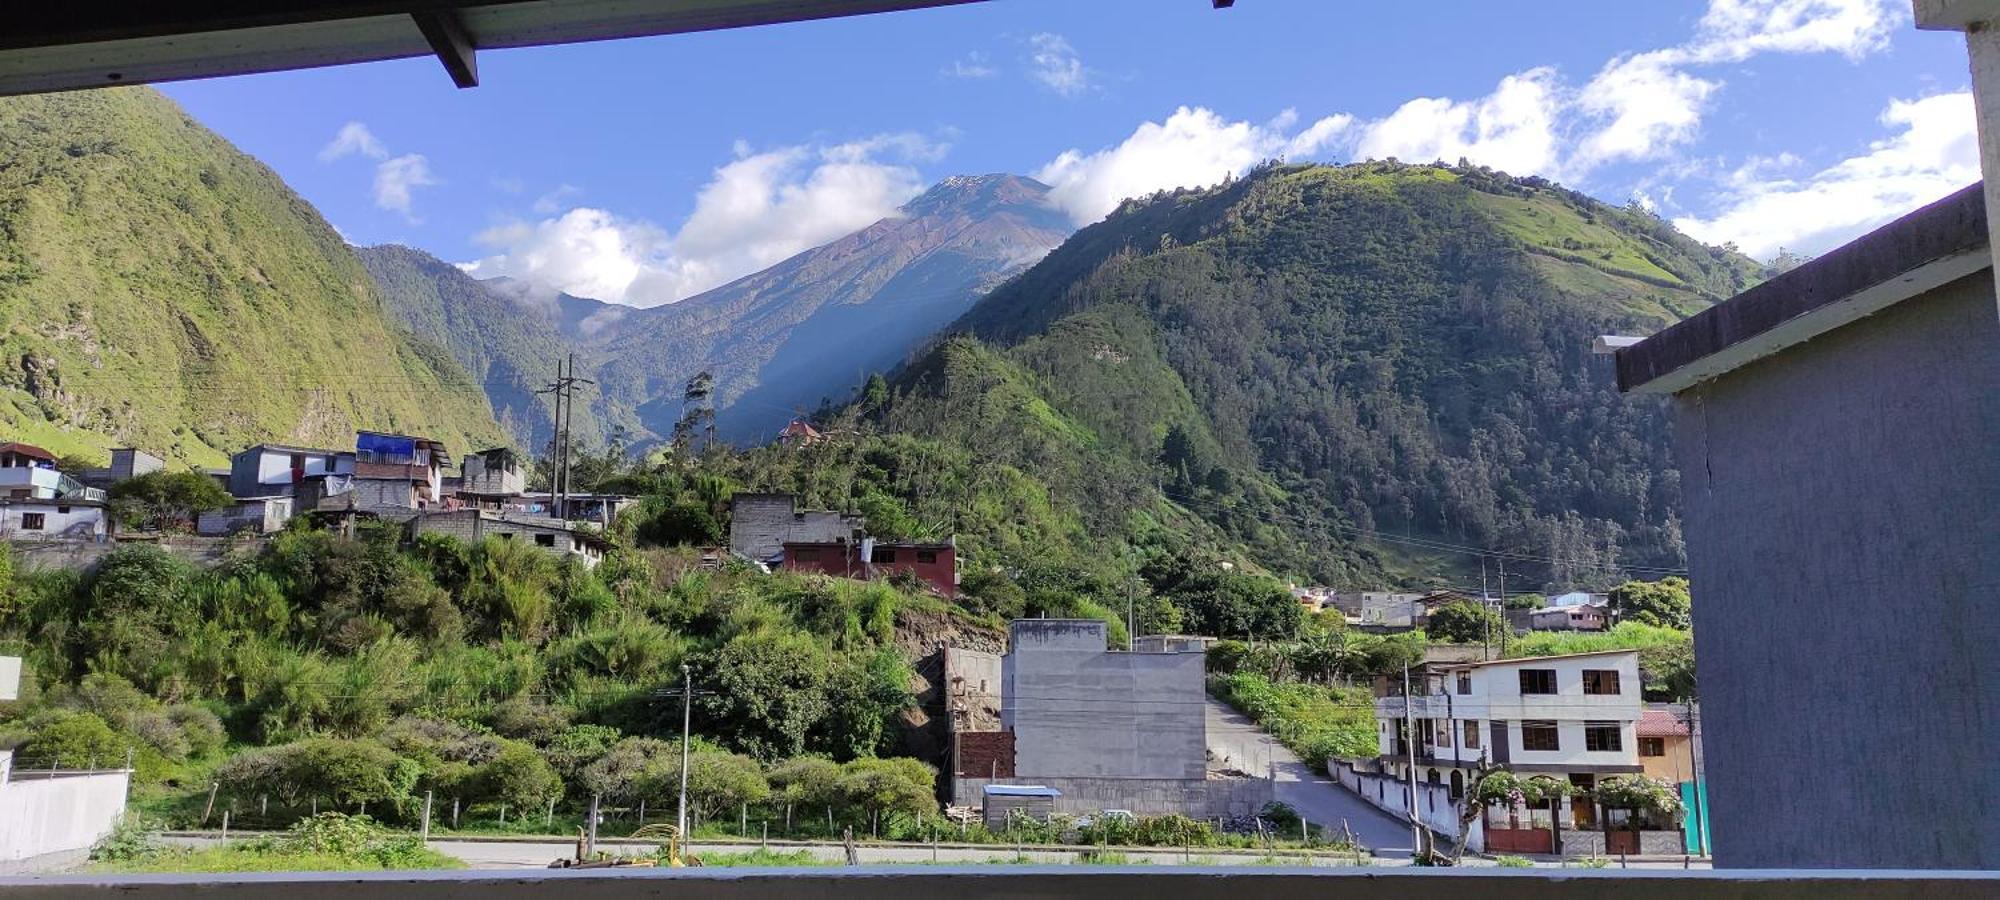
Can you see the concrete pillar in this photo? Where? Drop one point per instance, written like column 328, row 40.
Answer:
column 1980, row 20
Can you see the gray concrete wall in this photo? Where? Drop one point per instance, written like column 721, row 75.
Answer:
column 1079, row 711
column 83, row 556
column 1843, row 522
column 972, row 684
column 761, row 524
column 1143, row 796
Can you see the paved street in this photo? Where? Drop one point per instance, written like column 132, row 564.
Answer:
column 1232, row 736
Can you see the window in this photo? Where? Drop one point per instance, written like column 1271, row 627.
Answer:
column 1540, row 735
column 32, row 522
column 62, row 510
column 1600, row 681
column 926, row 556
column 806, row 554
column 1538, row 681
column 1465, row 682
column 1444, row 733
column 1471, row 735
column 1601, row 737
column 882, row 555
column 1652, row 746
column 545, row 540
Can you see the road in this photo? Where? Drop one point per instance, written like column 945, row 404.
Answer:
column 1322, row 801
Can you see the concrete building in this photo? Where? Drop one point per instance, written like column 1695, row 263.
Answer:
column 1835, row 429
column 53, row 520
column 1580, row 617
column 257, row 515
column 936, row 564
column 1571, row 717
column 761, row 524
column 28, row 472
column 1104, row 729
column 126, row 462
column 278, row 470
column 552, row 535
column 493, row 473
column 399, row 470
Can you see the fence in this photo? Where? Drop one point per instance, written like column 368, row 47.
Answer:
column 1436, row 809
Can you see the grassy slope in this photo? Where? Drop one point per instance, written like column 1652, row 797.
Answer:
column 159, row 288
column 1372, row 345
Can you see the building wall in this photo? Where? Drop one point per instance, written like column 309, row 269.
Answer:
column 59, row 522
column 761, row 524
column 972, row 683
column 1675, row 766
column 845, row 561
column 56, row 820
column 263, row 516
column 263, row 473
column 1142, row 796
column 1077, row 710
column 1851, row 474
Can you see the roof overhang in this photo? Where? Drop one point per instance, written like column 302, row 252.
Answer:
column 1922, row 251
column 65, row 46
column 1955, row 15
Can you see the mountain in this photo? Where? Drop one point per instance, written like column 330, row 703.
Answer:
column 161, row 289
column 509, row 340
column 1348, row 371
column 814, row 326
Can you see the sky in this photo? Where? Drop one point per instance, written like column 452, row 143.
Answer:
column 645, row 171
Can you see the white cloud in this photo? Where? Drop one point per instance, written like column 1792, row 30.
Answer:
column 756, row 210
column 1511, row 129
column 1645, row 108
column 353, row 138
column 974, row 65
column 1192, row 148
column 396, row 178
column 1735, row 30
column 1054, row 63
column 1932, row 151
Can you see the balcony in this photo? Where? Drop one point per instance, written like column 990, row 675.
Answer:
column 985, row 883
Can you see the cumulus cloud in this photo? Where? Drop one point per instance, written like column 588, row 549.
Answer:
column 755, row 210
column 353, row 138
column 1192, row 148
column 1735, row 30
column 1932, row 151
column 1645, row 108
column 396, row 178
column 1054, row 63
column 1512, row 129
column 548, row 203
column 974, row 65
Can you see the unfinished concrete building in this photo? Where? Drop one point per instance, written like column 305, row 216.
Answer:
column 1106, row 729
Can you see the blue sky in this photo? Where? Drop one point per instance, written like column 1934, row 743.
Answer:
column 645, row 171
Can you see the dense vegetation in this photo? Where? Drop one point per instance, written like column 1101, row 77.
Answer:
column 1322, row 362
column 163, row 290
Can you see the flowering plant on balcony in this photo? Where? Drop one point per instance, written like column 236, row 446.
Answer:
column 1640, row 794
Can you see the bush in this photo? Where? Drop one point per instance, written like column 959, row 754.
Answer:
column 1318, row 723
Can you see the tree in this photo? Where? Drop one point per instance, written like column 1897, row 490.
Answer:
column 881, row 786
column 1664, row 603
column 1464, row 622
column 719, row 782
column 1525, row 601
column 770, row 692
column 166, row 501
column 519, row 777
column 1640, row 794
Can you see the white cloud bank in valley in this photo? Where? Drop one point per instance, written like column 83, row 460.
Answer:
column 756, row 210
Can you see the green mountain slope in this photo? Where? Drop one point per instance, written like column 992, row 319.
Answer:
column 509, row 343
column 1326, row 363
column 160, row 289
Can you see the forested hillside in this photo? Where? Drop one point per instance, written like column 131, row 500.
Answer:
column 160, row 289
column 1326, row 362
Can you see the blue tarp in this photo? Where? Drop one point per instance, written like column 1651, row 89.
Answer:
column 387, row 448
column 1021, row 790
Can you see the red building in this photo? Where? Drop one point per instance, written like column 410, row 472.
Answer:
column 936, row 564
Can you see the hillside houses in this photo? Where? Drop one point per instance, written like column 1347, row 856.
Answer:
column 771, row 530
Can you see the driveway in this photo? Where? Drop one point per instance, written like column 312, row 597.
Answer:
column 1321, row 800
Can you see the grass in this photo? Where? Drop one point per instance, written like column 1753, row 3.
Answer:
column 245, row 857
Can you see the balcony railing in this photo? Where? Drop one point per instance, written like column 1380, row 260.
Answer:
column 1010, row 882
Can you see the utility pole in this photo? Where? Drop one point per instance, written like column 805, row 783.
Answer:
column 1694, row 774
column 562, row 443
column 1410, row 757
column 687, row 693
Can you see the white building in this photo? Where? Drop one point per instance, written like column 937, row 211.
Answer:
column 1570, row 717
column 50, row 819
column 52, row 520
column 277, row 470
column 28, row 472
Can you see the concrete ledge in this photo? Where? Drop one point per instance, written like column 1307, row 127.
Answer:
column 1015, row 883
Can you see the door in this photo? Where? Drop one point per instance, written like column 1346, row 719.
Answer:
column 1500, row 742
column 1621, row 840
column 1582, row 809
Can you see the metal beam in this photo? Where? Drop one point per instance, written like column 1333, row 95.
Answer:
column 446, row 35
